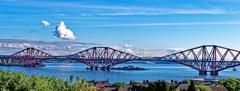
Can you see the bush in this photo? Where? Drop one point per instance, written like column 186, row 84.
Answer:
column 232, row 84
column 186, row 82
column 15, row 81
column 202, row 88
column 119, row 84
column 159, row 86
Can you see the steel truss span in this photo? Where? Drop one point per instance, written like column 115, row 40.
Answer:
column 30, row 57
column 103, row 57
column 206, row 58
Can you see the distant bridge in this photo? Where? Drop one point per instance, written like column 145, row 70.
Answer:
column 206, row 58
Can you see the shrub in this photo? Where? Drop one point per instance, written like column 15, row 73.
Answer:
column 232, row 84
column 15, row 81
column 119, row 84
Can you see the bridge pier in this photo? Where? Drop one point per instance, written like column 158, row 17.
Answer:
column 108, row 68
column 202, row 72
column 91, row 68
column 105, row 68
column 214, row 73
column 96, row 68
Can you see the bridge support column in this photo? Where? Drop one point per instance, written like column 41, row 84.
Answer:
column 214, row 73
column 91, row 68
column 96, row 68
column 202, row 72
column 108, row 68
column 103, row 68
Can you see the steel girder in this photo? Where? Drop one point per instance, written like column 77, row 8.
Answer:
column 206, row 58
column 102, row 57
column 29, row 57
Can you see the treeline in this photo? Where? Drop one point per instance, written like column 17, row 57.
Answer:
column 232, row 84
column 229, row 84
column 15, row 81
column 161, row 85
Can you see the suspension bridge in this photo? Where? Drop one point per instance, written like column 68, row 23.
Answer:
column 206, row 58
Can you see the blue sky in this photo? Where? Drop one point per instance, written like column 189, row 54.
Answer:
column 142, row 23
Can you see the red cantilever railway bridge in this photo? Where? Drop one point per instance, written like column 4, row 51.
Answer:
column 206, row 58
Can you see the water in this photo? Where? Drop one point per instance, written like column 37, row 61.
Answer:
column 155, row 72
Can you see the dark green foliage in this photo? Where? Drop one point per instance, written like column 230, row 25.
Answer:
column 192, row 86
column 186, row 82
column 202, row 88
column 159, row 86
column 164, row 86
column 13, row 81
column 232, row 84
column 119, row 84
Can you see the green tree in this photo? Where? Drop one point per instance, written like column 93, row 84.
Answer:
column 15, row 81
column 192, row 86
column 82, row 85
column 232, row 84
column 202, row 88
column 186, row 82
column 119, row 84
column 159, row 85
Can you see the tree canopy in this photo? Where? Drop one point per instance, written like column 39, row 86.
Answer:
column 15, row 81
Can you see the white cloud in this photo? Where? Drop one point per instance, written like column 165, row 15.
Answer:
column 112, row 10
column 160, row 11
column 126, row 48
column 172, row 24
column 14, row 45
column 128, row 45
column 67, row 48
column 10, row 46
column 150, row 11
column 145, row 52
column 108, row 10
column 63, row 32
column 45, row 23
column 177, row 49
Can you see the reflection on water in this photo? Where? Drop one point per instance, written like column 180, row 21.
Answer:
column 155, row 72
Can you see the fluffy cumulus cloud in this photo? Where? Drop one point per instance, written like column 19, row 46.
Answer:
column 63, row 32
column 45, row 23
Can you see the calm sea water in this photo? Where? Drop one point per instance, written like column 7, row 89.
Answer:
column 155, row 72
